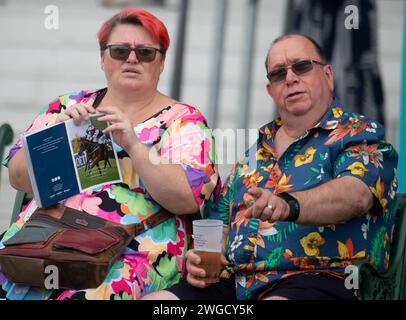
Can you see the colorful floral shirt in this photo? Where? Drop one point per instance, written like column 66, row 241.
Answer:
column 341, row 144
column 180, row 134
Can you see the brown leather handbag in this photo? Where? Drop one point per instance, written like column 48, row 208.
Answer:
column 81, row 246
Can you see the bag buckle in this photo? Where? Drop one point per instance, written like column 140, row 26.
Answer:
column 139, row 228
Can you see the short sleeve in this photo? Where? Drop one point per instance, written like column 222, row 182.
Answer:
column 41, row 120
column 189, row 142
column 48, row 115
column 373, row 161
column 220, row 209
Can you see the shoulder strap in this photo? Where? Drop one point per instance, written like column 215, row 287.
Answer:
column 83, row 220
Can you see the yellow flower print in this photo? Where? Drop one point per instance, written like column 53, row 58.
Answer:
column 153, row 249
column 282, row 185
column 379, row 192
column 265, row 153
column 346, row 251
column 252, row 179
column 268, row 168
column 262, row 154
column 127, row 172
column 357, row 168
column 337, row 112
column 305, row 158
column 102, row 292
column 311, row 243
column 244, row 170
column 268, row 133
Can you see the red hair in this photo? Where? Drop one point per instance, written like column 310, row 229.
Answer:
column 136, row 17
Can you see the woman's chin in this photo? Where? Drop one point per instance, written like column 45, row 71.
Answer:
column 130, row 84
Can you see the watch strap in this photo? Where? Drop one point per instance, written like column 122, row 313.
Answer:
column 294, row 206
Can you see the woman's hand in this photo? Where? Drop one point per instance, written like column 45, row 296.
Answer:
column 120, row 127
column 77, row 112
column 267, row 206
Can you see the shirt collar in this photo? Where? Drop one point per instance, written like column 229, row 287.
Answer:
column 329, row 121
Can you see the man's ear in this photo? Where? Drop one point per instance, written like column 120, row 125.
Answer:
column 269, row 88
column 329, row 73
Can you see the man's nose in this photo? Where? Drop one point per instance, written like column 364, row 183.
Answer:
column 291, row 77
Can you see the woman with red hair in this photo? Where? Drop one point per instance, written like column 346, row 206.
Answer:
column 166, row 154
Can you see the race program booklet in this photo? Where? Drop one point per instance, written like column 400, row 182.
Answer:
column 64, row 159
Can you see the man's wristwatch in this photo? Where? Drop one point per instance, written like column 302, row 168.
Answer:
column 294, row 207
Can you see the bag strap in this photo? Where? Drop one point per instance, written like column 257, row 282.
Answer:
column 81, row 219
column 149, row 223
column 136, row 229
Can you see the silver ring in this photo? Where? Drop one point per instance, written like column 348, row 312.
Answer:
column 270, row 207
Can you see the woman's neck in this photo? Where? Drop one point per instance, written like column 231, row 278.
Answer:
column 124, row 101
column 137, row 108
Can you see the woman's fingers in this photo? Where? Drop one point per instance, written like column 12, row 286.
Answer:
column 110, row 110
column 110, row 118
column 77, row 112
column 62, row 117
column 89, row 107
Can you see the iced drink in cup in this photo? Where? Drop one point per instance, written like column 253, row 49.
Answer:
column 207, row 235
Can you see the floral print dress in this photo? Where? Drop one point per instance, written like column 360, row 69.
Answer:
column 341, row 144
column 180, row 134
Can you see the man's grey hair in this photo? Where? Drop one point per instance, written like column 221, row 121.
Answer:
column 319, row 50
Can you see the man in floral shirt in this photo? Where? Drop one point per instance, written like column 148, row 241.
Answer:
column 314, row 195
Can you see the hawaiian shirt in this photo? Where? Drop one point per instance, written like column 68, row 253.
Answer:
column 180, row 135
column 341, row 144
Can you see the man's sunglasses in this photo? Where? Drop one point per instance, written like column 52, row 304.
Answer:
column 299, row 68
column 122, row 52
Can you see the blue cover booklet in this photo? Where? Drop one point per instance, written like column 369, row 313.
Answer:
column 64, row 159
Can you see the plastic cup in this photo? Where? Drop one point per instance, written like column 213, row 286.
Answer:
column 207, row 236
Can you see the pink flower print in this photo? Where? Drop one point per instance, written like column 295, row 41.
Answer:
column 41, row 122
column 74, row 202
column 183, row 146
column 91, row 205
column 177, row 111
column 67, row 294
column 54, row 106
column 149, row 134
column 111, row 216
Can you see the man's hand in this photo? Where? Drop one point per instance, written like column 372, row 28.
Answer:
column 196, row 275
column 267, row 206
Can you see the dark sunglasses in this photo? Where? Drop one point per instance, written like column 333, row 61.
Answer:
column 299, row 68
column 122, row 52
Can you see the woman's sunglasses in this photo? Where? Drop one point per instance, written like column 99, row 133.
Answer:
column 121, row 52
column 299, row 68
